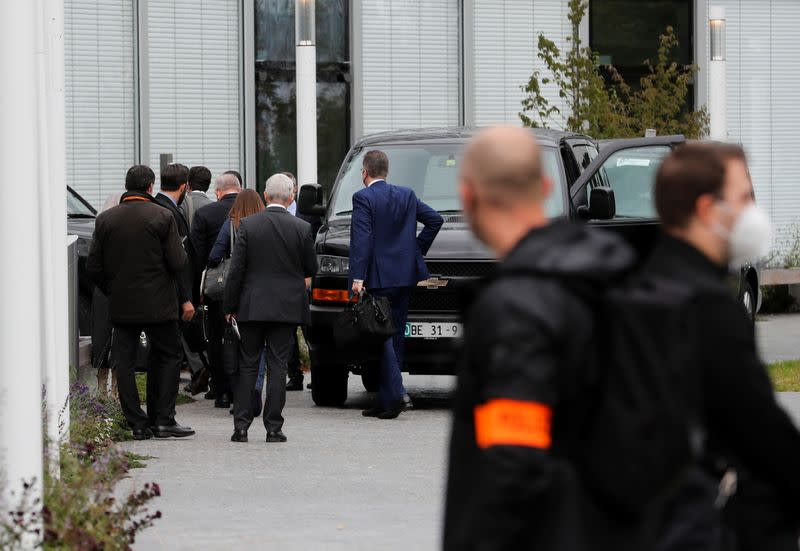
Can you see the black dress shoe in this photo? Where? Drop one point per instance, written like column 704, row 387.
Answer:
column 308, row 386
column 407, row 401
column 223, row 401
column 231, row 410
column 142, row 434
column 372, row 412
column 276, row 436
column 176, row 430
column 239, row 436
column 397, row 407
column 294, row 384
column 210, row 395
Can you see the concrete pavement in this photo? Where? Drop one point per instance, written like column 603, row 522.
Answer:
column 779, row 337
column 341, row 482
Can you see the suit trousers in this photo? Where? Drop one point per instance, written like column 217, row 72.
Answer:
column 278, row 338
column 163, row 374
column 390, row 385
column 216, row 329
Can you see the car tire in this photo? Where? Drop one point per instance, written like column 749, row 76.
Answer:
column 748, row 299
column 84, row 315
column 329, row 383
column 371, row 376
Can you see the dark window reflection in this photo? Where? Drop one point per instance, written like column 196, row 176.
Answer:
column 275, row 88
column 625, row 33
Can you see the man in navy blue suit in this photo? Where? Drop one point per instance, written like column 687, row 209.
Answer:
column 386, row 257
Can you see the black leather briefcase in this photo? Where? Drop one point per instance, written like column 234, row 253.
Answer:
column 364, row 326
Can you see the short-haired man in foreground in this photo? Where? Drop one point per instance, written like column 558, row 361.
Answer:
column 513, row 479
column 136, row 258
column 704, row 198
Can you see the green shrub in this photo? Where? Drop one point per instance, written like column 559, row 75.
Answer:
column 80, row 509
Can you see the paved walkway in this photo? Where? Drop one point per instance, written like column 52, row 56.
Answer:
column 779, row 337
column 342, row 482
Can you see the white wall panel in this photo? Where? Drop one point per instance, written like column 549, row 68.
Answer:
column 195, row 98
column 100, row 96
column 505, row 41
column 410, row 64
column 763, row 79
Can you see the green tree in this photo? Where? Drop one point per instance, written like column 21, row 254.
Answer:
column 610, row 109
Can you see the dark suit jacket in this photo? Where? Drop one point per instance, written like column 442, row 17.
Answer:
column 185, row 283
column 134, row 259
column 207, row 222
column 385, row 250
column 273, row 255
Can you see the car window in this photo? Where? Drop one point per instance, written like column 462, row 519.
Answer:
column 631, row 173
column 76, row 208
column 432, row 172
column 584, row 154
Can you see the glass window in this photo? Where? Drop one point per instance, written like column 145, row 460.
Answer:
column 625, row 33
column 432, row 172
column 276, row 136
column 631, row 173
column 77, row 208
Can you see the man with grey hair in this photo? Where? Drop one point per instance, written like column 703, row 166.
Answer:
column 266, row 294
column 208, row 220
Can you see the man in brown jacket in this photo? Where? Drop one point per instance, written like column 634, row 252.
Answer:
column 135, row 258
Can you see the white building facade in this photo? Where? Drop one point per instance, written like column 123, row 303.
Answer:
column 211, row 81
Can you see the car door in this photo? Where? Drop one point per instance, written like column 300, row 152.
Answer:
column 628, row 167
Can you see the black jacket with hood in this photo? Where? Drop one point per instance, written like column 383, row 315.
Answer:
column 512, row 481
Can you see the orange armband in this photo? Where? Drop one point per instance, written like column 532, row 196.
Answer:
column 506, row 422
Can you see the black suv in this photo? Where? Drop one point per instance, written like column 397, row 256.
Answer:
column 610, row 187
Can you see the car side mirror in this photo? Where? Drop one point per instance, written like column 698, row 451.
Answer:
column 311, row 200
column 602, row 205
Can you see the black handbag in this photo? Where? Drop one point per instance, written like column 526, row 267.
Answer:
column 364, row 325
column 212, row 282
column 230, row 348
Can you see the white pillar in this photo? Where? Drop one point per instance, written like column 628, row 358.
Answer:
column 306, row 63
column 21, row 341
column 717, row 83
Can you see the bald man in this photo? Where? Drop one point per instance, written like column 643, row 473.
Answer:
column 513, row 483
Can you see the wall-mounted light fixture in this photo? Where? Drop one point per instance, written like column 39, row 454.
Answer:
column 716, row 31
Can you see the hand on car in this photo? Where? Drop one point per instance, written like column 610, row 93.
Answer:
column 187, row 311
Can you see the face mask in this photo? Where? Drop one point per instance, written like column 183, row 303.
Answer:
column 750, row 238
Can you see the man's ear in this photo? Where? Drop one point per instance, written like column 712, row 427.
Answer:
column 266, row 198
column 703, row 208
column 150, row 189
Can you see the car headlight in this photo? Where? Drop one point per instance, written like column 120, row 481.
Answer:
column 333, row 264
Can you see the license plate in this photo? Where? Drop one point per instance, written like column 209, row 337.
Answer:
column 436, row 330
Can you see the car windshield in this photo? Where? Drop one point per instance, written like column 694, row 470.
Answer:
column 431, row 170
column 76, row 208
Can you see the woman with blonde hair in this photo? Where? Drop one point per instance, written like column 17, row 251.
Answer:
column 247, row 202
